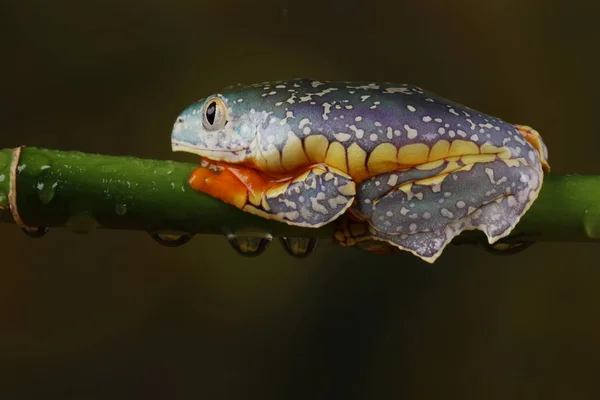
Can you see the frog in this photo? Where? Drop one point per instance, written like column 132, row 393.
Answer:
column 407, row 168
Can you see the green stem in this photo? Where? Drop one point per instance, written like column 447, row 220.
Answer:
column 83, row 191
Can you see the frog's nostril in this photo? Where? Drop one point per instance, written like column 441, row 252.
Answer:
column 180, row 120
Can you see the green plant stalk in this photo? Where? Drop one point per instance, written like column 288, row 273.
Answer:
column 83, row 191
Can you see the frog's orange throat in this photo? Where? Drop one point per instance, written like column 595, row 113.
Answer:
column 237, row 185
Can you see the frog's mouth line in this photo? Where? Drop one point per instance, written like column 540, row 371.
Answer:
column 180, row 146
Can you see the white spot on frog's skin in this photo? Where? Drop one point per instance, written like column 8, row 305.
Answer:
column 439, row 120
column 364, row 87
column 363, row 98
column 461, row 133
column 288, row 114
column 520, row 140
column 288, row 203
column 411, row 108
column 326, row 110
column 426, row 215
column 404, row 211
column 348, row 107
column 501, row 180
column 304, row 121
column 447, row 194
column 390, row 132
column 308, row 96
column 398, row 90
column 446, row 213
column 412, row 227
column 441, row 130
column 411, row 133
column 460, row 204
column 339, row 200
column 280, row 87
column 474, row 138
column 392, row 180
column 39, row 186
column 373, row 137
column 531, row 156
column 377, row 123
column 451, row 133
column 427, row 119
column 451, row 110
column 397, row 132
column 358, row 119
column 306, row 130
column 490, row 173
column 21, row 167
column 240, row 100
column 389, row 214
column 342, row 136
column 316, row 84
column 359, row 133
column 511, row 200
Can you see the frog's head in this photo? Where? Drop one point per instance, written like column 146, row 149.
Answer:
column 212, row 128
column 535, row 139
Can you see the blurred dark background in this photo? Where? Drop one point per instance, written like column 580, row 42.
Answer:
column 111, row 314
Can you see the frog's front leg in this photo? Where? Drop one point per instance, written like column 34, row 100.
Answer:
column 422, row 209
column 311, row 198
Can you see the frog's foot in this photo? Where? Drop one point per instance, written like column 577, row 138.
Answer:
column 353, row 232
column 313, row 198
column 423, row 215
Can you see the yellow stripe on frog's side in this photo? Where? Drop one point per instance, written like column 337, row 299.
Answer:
column 474, row 158
column 293, row 154
column 413, row 154
column 316, row 148
column 439, row 150
column 336, row 156
column 383, row 159
column 462, row 147
column 430, row 165
column 357, row 162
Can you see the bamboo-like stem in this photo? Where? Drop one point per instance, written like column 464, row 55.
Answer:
column 52, row 188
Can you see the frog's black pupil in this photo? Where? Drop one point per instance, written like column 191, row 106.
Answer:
column 210, row 112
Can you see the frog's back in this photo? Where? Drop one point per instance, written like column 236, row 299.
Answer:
column 363, row 116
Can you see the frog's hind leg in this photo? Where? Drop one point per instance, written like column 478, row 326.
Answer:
column 423, row 214
column 312, row 199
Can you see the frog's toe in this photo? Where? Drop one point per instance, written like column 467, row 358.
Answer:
column 312, row 199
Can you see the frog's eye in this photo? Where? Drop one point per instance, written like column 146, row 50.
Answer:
column 214, row 114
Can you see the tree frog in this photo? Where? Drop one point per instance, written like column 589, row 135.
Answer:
column 411, row 168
